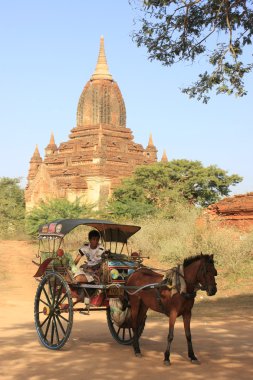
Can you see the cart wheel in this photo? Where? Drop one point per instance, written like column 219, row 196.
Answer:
column 122, row 335
column 53, row 311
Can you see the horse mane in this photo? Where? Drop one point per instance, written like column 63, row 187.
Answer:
column 192, row 259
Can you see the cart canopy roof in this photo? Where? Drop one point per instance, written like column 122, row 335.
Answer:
column 109, row 231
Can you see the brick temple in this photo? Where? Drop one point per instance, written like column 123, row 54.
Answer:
column 100, row 151
column 235, row 211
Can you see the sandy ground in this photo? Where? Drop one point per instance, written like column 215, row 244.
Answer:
column 222, row 331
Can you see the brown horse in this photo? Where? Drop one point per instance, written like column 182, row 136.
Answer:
column 199, row 273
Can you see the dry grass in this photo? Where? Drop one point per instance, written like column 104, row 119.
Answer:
column 170, row 241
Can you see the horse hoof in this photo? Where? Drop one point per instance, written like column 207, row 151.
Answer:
column 167, row 363
column 195, row 361
column 138, row 354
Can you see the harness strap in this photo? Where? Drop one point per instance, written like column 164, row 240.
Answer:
column 178, row 283
column 159, row 300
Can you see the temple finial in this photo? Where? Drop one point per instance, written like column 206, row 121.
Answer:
column 102, row 69
column 36, row 154
column 52, row 142
column 51, row 147
column 150, row 141
column 164, row 157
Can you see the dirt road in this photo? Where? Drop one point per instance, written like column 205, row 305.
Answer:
column 222, row 331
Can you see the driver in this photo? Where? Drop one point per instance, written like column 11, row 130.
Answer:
column 93, row 253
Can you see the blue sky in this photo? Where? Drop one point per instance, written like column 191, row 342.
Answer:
column 49, row 51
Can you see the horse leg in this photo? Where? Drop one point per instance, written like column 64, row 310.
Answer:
column 172, row 320
column 187, row 329
column 135, row 308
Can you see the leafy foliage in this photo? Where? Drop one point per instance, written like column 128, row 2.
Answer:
column 12, row 206
column 157, row 188
column 52, row 210
column 125, row 207
column 184, row 30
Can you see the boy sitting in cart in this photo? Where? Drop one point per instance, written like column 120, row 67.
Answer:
column 89, row 272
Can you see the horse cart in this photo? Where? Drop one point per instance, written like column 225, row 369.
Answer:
column 57, row 291
column 124, row 288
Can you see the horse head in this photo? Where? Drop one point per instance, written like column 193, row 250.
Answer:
column 206, row 274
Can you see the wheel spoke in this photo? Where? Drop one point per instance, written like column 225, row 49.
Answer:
column 130, row 333
column 61, row 326
column 62, row 299
column 123, row 334
column 65, row 319
column 56, row 330
column 48, row 300
column 54, row 291
column 48, row 324
column 42, row 324
column 44, row 303
column 52, row 332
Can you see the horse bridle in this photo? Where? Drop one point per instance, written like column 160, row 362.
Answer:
column 202, row 268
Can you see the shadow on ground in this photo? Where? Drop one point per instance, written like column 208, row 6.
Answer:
column 222, row 337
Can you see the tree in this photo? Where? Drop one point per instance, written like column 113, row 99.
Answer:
column 125, row 207
column 159, row 186
column 184, row 30
column 52, row 210
column 12, row 206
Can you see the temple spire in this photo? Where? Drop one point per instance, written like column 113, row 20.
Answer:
column 51, row 147
column 151, row 150
column 102, row 69
column 35, row 163
column 150, row 141
column 52, row 142
column 164, row 157
column 36, row 154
